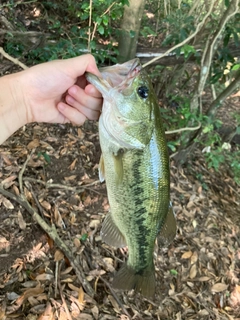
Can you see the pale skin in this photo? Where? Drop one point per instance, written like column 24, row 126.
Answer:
column 52, row 92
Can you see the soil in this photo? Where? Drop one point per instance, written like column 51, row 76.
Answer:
column 197, row 276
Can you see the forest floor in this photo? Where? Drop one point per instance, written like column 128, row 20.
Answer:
column 197, row 276
column 56, row 168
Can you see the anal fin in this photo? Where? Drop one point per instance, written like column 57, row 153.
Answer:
column 111, row 234
column 168, row 231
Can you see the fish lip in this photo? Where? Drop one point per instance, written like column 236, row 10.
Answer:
column 123, row 74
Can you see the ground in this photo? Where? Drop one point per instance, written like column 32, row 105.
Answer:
column 197, row 276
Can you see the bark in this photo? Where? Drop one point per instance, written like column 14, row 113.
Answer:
column 130, row 30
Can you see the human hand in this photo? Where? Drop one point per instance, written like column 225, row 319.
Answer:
column 45, row 89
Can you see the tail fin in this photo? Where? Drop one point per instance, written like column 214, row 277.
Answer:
column 143, row 281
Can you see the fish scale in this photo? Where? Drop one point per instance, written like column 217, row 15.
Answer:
column 135, row 166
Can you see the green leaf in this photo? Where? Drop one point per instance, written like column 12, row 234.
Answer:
column 105, row 20
column 173, row 272
column 226, row 3
column 84, row 237
column 235, row 67
column 98, row 20
column 101, row 30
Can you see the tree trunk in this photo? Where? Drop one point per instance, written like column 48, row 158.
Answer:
column 130, row 30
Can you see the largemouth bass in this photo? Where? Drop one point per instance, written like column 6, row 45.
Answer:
column 135, row 166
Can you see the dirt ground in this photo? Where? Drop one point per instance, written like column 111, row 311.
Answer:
column 197, row 277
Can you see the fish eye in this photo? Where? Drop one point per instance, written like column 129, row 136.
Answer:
column 143, row 92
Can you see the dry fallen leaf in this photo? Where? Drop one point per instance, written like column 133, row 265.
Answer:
column 219, row 287
column 193, row 271
column 7, row 204
column 28, row 293
column 48, row 313
column 33, row 144
column 8, row 182
column 58, row 255
column 21, row 222
column 187, row 255
column 73, row 165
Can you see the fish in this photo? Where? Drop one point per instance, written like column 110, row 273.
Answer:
column 135, row 166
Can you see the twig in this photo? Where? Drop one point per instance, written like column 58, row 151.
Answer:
column 61, row 186
column 96, row 24
column 184, row 129
column 199, row 26
column 51, row 231
column 20, row 176
column 61, row 294
column 209, row 51
column 14, row 60
column 23, row 33
column 89, row 26
column 115, row 296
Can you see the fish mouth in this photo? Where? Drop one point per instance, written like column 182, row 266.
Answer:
column 121, row 76
column 117, row 77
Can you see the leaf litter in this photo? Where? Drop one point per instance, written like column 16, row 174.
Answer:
column 197, row 276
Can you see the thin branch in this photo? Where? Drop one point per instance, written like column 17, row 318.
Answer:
column 198, row 28
column 96, row 24
column 234, row 85
column 22, row 33
column 61, row 186
column 51, row 231
column 184, row 129
column 14, row 60
column 115, row 297
column 20, row 176
column 209, row 51
column 89, row 26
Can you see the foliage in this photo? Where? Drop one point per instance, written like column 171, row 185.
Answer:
column 70, row 39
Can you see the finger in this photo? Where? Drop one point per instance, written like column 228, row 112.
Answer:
column 91, row 113
column 71, row 114
column 92, row 91
column 81, row 98
column 77, row 66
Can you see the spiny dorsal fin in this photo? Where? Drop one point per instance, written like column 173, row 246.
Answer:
column 168, row 231
column 111, row 234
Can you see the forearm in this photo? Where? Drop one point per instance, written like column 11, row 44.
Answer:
column 12, row 105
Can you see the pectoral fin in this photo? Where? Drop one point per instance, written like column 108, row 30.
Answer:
column 101, row 170
column 111, row 234
column 118, row 165
column 168, row 231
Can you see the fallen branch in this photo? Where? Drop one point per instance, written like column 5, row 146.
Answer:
column 14, row 60
column 51, row 231
column 61, row 186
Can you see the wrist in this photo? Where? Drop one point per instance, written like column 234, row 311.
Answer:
column 13, row 110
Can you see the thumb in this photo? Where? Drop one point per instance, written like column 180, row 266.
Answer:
column 76, row 67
